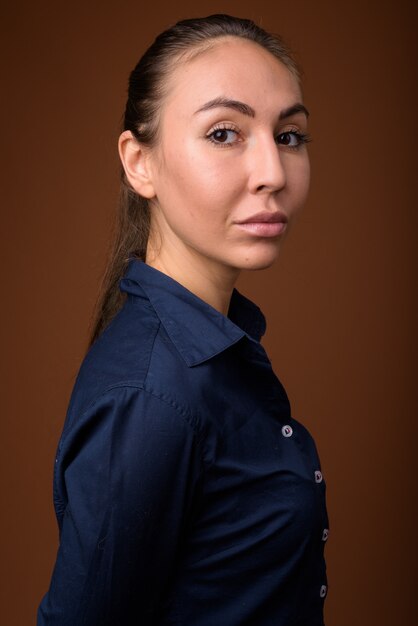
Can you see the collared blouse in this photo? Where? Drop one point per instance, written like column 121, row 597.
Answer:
column 184, row 490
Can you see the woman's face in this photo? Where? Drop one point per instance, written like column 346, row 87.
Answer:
column 230, row 170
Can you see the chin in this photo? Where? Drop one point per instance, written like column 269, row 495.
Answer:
column 258, row 260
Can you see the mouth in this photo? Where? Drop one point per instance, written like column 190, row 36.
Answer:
column 265, row 224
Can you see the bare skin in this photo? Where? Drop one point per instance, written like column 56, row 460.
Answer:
column 216, row 168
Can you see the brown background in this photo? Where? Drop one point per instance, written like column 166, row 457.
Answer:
column 339, row 302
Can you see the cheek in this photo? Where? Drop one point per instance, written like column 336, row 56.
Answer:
column 205, row 183
column 298, row 182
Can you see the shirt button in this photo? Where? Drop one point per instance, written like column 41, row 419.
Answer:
column 325, row 534
column 287, row 431
column 323, row 591
column 318, row 476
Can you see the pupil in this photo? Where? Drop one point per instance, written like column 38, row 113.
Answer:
column 286, row 138
column 221, row 135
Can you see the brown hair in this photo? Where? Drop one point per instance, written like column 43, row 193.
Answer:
column 146, row 91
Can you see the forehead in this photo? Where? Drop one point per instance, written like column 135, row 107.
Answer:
column 236, row 68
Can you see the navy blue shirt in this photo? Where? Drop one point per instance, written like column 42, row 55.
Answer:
column 184, row 490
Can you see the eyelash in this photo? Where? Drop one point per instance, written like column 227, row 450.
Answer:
column 303, row 138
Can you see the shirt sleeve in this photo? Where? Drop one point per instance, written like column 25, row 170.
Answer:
column 125, row 476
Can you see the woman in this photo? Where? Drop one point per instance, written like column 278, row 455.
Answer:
column 184, row 490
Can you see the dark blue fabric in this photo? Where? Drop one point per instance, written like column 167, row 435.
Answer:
column 180, row 496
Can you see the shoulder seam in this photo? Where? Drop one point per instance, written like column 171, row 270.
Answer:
column 186, row 415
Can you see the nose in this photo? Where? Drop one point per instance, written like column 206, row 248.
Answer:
column 267, row 173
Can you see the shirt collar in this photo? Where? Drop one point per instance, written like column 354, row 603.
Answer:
column 197, row 329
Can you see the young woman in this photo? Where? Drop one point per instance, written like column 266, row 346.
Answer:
column 185, row 491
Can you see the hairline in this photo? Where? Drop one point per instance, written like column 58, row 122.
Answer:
column 196, row 50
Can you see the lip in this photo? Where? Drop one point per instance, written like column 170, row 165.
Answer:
column 265, row 224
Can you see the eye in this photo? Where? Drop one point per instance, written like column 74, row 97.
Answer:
column 292, row 139
column 223, row 136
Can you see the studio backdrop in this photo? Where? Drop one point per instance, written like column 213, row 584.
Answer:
column 339, row 302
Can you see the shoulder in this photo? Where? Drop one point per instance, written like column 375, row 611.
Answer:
column 133, row 357
column 130, row 410
column 119, row 357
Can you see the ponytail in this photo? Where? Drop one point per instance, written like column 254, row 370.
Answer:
column 129, row 241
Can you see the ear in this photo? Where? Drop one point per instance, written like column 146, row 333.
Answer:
column 136, row 162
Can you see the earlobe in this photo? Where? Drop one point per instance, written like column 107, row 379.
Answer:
column 135, row 161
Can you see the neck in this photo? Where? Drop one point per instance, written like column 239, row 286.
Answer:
column 206, row 278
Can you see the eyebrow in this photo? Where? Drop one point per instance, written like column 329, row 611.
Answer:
column 245, row 109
